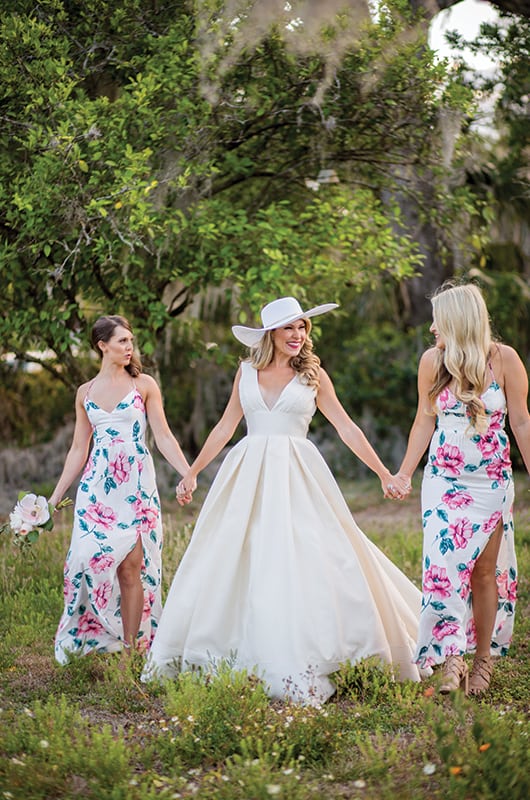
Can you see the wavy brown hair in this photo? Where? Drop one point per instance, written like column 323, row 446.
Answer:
column 461, row 318
column 306, row 363
column 103, row 330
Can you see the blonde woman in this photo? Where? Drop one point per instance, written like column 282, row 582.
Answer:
column 278, row 579
column 467, row 384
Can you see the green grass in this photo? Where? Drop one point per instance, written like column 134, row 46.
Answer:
column 92, row 730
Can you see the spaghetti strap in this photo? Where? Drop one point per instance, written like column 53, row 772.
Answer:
column 492, row 373
column 89, row 388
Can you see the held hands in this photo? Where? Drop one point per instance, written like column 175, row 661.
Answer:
column 398, row 487
column 185, row 489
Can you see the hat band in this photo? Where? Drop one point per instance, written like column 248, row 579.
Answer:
column 283, row 321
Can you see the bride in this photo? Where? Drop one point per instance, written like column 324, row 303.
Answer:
column 278, row 579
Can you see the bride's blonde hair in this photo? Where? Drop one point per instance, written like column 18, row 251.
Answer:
column 306, row 363
column 461, row 319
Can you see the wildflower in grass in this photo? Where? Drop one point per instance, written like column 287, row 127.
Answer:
column 31, row 515
column 455, row 770
column 429, row 768
column 359, row 784
column 484, row 747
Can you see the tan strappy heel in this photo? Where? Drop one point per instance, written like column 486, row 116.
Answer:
column 481, row 673
column 455, row 675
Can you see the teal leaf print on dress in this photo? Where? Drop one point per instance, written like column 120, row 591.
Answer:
column 110, row 484
column 437, row 605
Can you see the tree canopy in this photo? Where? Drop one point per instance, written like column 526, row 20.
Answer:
column 125, row 185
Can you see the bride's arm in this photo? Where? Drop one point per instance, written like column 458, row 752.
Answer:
column 350, row 433
column 219, row 436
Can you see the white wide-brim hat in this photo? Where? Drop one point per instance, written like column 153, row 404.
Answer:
column 278, row 314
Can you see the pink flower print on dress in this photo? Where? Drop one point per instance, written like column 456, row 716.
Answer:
column 458, row 499
column 430, row 661
column 444, row 628
column 471, row 633
column 138, row 401
column 101, row 563
column 68, row 591
column 465, row 580
column 446, row 399
column 120, row 468
column 88, row 623
column 452, row 650
column 436, row 582
column 88, row 467
column 102, row 515
column 491, row 523
column 488, row 445
column 495, row 471
column 146, row 516
column 101, row 594
column 450, row 458
column 148, row 521
column 149, row 599
column 461, row 532
column 507, row 588
column 495, row 421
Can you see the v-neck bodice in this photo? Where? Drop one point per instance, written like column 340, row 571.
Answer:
column 289, row 416
column 125, row 423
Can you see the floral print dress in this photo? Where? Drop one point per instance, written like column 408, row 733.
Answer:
column 467, row 490
column 117, row 502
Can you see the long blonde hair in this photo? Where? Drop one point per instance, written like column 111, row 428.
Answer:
column 461, row 318
column 306, row 363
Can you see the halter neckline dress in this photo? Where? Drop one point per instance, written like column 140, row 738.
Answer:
column 277, row 578
column 116, row 504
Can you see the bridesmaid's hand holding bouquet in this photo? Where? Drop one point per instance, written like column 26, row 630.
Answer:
column 31, row 515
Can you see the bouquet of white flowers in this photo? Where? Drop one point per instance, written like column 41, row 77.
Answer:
column 31, row 515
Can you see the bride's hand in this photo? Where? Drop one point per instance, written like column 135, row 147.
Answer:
column 183, row 496
column 185, row 489
column 398, row 487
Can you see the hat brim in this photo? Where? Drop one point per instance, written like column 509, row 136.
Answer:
column 251, row 336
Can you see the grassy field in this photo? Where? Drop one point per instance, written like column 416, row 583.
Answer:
column 92, row 730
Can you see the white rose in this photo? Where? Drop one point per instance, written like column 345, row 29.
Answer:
column 30, row 512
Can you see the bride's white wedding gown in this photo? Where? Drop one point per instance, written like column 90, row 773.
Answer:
column 278, row 579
